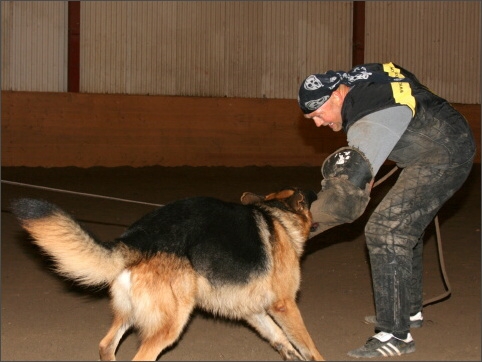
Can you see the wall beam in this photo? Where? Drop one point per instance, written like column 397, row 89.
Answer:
column 73, row 45
column 358, row 55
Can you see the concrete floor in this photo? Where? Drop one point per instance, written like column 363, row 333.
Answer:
column 45, row 317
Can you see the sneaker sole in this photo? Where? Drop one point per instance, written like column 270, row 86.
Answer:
column 371, row 319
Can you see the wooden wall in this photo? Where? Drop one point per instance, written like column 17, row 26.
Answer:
column 432, row 39
column 84, row 130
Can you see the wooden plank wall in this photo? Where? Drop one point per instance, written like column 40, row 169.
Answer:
column 439, row 41
column 84, row 130
column 34, row 45
column 249, row 49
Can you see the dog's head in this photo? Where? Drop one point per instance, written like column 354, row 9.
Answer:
column 291, row 199
column 291, row 206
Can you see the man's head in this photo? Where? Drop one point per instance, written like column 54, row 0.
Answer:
column 321, row 97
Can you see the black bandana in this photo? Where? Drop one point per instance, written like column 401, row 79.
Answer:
column 317, row 88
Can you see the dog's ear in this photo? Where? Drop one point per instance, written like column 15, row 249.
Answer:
column 249, row 198
column 297, row 201
column 302, row 200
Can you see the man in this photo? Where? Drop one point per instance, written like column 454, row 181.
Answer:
column 388, row 114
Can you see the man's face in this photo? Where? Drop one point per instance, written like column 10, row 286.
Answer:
column 329, row 114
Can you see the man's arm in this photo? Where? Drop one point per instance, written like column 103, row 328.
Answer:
column 349, row 172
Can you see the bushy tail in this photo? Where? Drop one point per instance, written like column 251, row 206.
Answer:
column 77, row 254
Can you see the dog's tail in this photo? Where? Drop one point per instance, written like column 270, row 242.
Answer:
column 77, row 253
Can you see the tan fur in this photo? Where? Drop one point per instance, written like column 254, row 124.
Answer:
column 158, row 302
column 76, row 255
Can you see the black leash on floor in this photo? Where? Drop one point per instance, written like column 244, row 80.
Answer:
column 437, row 226
column 77, row 193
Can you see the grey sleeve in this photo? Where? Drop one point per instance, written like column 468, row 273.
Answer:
column 377, row 133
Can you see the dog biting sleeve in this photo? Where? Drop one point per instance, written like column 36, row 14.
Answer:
column 339, row 202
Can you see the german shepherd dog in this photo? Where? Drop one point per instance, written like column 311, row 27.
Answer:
column 237, row 260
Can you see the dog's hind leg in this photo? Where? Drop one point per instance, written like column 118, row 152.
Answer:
column 153, row 344
column 163, row 297
column 286, row 313
column 268, row 329
column 171, row 319
column 122, row 321
column 111, row 340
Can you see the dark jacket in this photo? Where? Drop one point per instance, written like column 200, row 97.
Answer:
column 437, row 135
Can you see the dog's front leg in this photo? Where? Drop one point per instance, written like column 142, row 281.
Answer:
column 268, row 329
column 288, row 316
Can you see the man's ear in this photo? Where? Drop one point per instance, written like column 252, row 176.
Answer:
column 336, row 96
column 340, row 93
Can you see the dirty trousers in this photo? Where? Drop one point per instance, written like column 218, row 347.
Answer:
column 394, row 236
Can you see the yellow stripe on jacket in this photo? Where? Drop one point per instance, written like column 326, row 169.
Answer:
column 402, row 91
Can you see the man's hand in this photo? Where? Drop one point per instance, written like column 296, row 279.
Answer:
column 348, row 163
